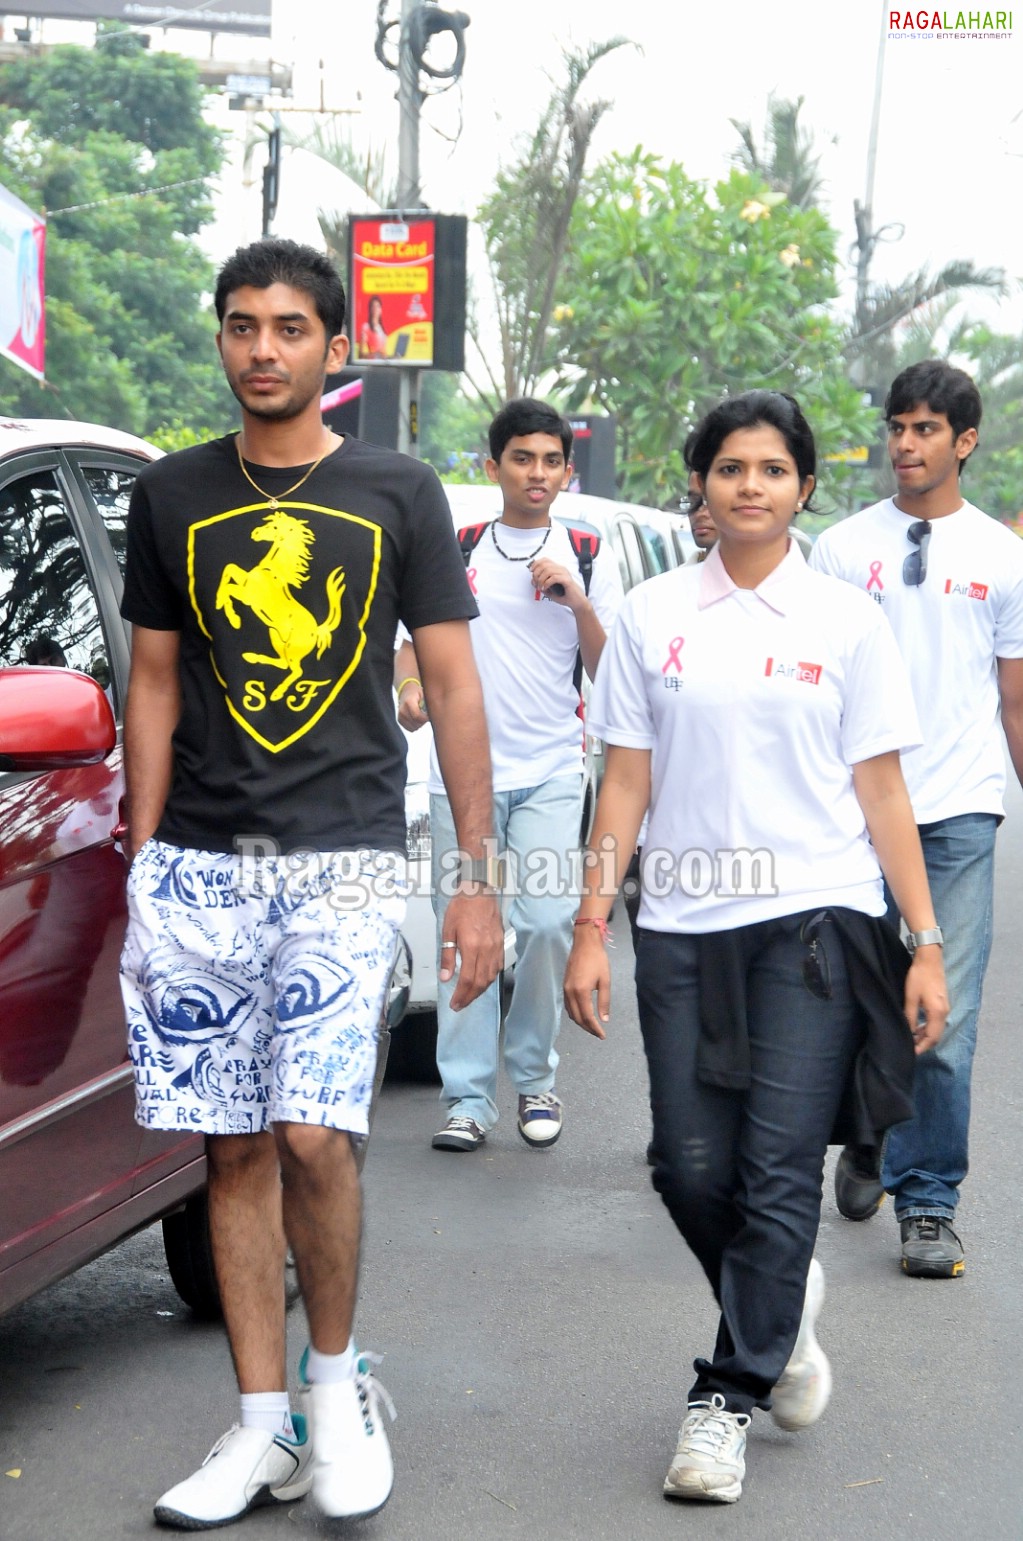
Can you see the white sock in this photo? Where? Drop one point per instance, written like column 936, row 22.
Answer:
column 269, row 1410
column 330, row 1368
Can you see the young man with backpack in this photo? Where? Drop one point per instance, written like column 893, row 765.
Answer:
column 547, row 594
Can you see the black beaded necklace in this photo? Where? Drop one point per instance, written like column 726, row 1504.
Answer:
column 529, row 557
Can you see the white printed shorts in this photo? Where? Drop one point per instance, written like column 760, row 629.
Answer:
column 253, row 988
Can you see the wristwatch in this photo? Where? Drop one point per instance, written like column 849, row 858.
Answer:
column 917, row 939
column 487, row 870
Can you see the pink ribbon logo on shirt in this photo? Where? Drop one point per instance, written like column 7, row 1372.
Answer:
column 875, row 576
column 674, row 649
column 470, row 573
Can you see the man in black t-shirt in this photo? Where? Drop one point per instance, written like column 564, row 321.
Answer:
column 266, row 574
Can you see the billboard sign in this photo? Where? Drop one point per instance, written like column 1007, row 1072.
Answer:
column 393, row 290
column 22, row 284
column 250, row 17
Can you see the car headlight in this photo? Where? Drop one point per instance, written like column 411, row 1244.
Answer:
column 418, row 839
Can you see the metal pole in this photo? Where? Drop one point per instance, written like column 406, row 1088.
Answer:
column 865, row 213
column 410, row 100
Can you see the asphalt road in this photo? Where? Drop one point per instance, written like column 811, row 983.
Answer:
column 539, row 1317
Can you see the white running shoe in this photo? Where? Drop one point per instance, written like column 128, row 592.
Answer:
column 804, row 1390
column 352, row 1468
column 710, row 1461
column 245, row 1468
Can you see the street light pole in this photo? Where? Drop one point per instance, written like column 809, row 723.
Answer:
column 864, row 213
column 410, row 101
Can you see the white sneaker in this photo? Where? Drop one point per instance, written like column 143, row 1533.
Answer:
column 804, row 1390
column 246, row 1467
column 709, row 1462
column 352, row 1468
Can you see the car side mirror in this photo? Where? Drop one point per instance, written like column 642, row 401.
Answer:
column 52, row 719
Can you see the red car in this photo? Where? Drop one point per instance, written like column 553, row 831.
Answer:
column 77, row 1174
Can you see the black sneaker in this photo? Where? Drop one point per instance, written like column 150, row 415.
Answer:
column 459, row 1134
column 931, row 1249
column 859, row 1192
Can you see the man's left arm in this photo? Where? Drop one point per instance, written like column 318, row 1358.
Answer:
column 1010, row 690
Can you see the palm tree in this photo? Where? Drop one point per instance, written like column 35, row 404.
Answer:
column 789, row 161
column 525, row 223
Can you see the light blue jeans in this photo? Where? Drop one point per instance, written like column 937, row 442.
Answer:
column 538, row 828
column 926, row 1159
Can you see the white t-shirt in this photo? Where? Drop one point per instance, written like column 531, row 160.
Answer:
column 525, row 648
column 951, row 629
column 755, row 703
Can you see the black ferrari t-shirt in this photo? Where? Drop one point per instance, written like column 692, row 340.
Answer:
column 287, row 617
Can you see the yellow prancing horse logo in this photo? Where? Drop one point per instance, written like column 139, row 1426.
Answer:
column 267, row 590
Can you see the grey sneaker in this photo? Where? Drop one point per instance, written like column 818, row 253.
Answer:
column 804, row 1390
column 459, row 1134
column 540, row 1119
column 710, row 1461
column 245, row 1468
column 931, row 1249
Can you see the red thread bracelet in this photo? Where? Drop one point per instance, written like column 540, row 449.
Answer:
column 601, row 925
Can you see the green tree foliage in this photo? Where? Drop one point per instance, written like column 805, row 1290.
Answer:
column 672, row 297
column 525, row 223
column 110, row 143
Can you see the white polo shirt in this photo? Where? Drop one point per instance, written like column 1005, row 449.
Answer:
column 525, row 648
column 951, row 630
column 756, row 704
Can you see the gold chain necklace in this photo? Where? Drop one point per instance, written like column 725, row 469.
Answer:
column 276, row 502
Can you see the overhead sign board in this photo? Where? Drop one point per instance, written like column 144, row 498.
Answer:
column 250, row 17
column 407, row 284
column 22, row 284
column 393, row 287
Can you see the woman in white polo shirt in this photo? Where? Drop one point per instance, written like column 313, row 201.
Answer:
column 759, row 709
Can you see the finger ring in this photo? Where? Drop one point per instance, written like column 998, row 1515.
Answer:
column 448, row 944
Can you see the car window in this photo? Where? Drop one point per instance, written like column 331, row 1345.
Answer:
column 657, row 545
column 111, row 492
column 48, row 611
column 625, row 539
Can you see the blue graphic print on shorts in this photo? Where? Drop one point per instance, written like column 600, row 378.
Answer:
column 253, row 988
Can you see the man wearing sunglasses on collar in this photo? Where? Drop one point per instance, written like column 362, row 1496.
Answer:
column 950, row 580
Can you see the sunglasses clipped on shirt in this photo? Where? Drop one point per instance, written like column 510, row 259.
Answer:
column 914, row 568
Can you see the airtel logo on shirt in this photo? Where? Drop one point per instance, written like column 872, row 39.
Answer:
column 805, row 673
column 967, row 590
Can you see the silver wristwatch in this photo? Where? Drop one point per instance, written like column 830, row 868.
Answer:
column 917, row 939
column 487, row 870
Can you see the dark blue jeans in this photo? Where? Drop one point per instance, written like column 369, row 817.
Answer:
column 741, row 1171
column 927, row 1158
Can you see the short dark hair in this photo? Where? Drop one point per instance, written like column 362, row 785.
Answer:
column 285, row 262
column 940, row 386
column 774, row 409
column 526, row 415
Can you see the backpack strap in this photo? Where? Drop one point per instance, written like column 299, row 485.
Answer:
column 585, row 545
column 469, row 538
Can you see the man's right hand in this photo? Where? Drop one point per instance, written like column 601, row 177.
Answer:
column 472, row 945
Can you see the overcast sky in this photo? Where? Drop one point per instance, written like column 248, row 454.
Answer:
column 950, row 160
